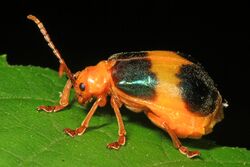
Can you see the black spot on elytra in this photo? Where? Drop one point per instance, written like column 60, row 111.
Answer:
column 188, row 57
column 127, row 55
column 198, row 90
column 133, row 76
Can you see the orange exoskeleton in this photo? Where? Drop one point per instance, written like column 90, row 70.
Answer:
column 175, row 94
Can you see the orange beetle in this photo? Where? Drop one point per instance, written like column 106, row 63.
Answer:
column 175, row 94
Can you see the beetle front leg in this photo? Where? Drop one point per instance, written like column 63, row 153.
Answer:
column 176, row 142
column 121, row 132
column 64, row 100
column 85, row 123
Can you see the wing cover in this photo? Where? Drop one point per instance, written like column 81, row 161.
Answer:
column 132, row 74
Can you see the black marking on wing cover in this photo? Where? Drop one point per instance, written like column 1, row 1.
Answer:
column 127, row 55
column 198, row 89
column 133, row 76
column 188, row 57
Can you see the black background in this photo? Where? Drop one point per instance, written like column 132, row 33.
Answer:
column 217, row 35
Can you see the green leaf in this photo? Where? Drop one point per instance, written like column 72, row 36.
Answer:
column 3, row 61
column 31, row 138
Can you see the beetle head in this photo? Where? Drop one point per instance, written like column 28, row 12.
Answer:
column 93, row 81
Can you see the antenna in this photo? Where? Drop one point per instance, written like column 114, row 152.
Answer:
column 52, row 46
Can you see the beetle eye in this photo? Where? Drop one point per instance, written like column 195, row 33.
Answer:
column 82, row 86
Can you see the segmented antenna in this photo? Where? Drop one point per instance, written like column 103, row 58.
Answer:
column 51, row 45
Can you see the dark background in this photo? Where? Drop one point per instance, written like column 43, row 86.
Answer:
column 217, row 35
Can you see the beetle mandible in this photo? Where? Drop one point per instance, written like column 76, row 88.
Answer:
column 176, row 94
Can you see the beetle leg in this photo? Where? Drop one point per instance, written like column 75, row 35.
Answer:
column 64, row 100
column 85, row 123
column 176, row 142
column 121, row 132
column 184, row 150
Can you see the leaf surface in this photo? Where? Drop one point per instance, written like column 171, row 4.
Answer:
column 31, row 138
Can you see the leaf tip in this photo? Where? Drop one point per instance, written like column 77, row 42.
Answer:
column 3, row 60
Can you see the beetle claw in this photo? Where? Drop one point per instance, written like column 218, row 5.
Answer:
column 70, row 132
column 188, row 153
column 46, row 108
column 114, row 145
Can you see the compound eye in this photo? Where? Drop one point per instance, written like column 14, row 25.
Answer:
column 82, row 86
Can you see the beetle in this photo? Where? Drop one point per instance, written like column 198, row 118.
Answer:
column 176, row 94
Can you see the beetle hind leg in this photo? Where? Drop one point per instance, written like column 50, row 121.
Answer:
column 176, row 142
